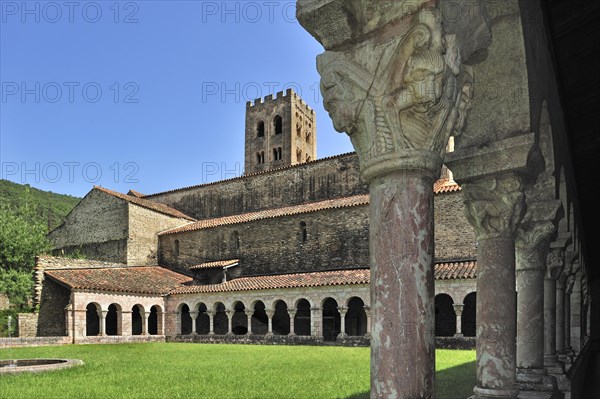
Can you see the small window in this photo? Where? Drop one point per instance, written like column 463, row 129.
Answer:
column 277, row 154
column 278, row 124
column 260, row 129
column 260, row 157
column 176, row 248
column 298, row 130
column 308, row 137
column 303, row 231
column 299, row 155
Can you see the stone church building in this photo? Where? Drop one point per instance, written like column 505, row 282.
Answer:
column 280, row 254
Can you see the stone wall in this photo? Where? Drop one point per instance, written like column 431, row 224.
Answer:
column 97, row 227
column 454, row 236
column 28, row 324
column 54, row 300
column 45, row 262
column 320, row 180
column 334, row 239
column 144, row 226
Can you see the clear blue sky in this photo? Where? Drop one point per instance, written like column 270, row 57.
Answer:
column 144, row 95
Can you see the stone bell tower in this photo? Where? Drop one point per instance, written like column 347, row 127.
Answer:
column 280, row 132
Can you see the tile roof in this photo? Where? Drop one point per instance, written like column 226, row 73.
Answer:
column 455, row 270
column 159, row 281
column 445, row 186
column 343, row 202
column 215, row 264
column 443, row 271
column 135, row 193
column 154, row 206
column 133, row 279
column 295, row 280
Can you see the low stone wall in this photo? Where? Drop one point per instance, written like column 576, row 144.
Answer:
column 269, row 340
column 455, row 343
column 120, row 339
column 30, row 341
column 28, row 323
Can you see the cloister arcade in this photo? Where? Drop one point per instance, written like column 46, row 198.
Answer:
column 326, row 313
column 322, row 315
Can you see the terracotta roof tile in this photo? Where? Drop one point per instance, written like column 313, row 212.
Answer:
column 296, row 280
column 443, row 271
column 272, row 213
column 215, row 264
column 455, row 270
column 135, row 193
column 445, row 186
column 133, row 279
column 154, row 206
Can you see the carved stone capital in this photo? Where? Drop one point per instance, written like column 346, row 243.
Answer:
column 534, row 232
column 392, row 77
column 555, row 263
column 458, row 308
column 495, row 205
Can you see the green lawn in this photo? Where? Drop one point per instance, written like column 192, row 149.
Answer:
column 177, row 370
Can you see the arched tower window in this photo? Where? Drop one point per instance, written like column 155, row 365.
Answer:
column 260, row 157
column 278, row 124
column 260, row 129
column 299, row 155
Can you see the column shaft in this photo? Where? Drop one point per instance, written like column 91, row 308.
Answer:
column 549, row 320
column 402, row 286
column 560, row 318
column 530, row 318
column 496, row 305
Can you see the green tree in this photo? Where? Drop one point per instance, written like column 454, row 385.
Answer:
column 22, row 237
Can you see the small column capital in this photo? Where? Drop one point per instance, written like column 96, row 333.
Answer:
column 458, row 308
column 292, row 312
column 229, row 313
column 210, row 313
column 343, row 310
column 249, row 313
column 270, row 313
column 194, row 315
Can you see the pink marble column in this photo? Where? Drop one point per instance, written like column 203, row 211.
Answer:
column 495, row 206
column 532, row 247
column 392, row 79
column 402, row 285
column 496, row 327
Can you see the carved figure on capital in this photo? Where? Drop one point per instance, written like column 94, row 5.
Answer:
column 413, row 97
column 495, row 205
column 555, row 263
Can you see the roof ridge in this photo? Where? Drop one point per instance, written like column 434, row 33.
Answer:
column 151, row 205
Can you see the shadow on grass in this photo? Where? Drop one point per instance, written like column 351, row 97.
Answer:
column 453, row 383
